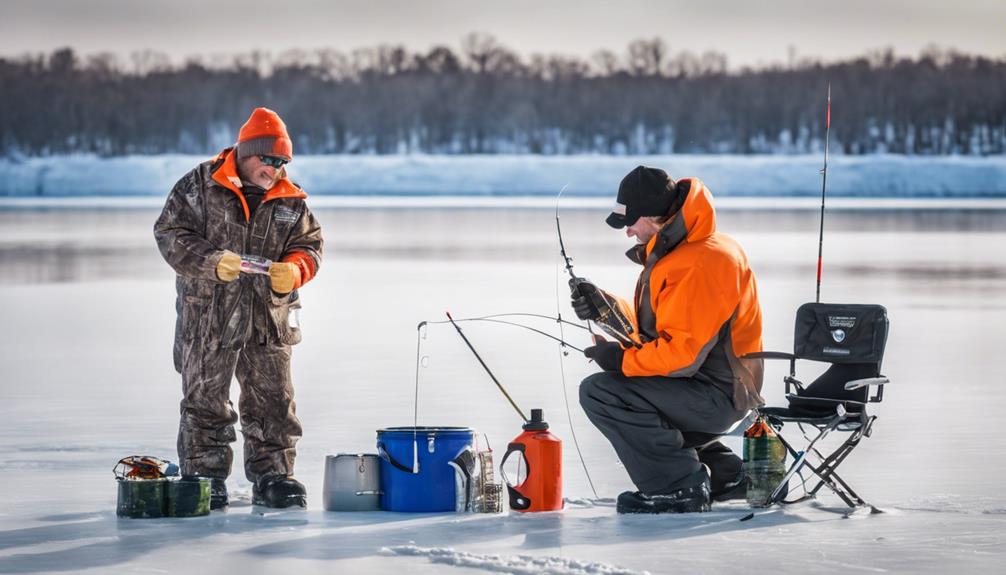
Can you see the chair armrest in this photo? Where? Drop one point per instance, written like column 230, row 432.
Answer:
column 790, row 380
column 858, row 383
column 769, row 355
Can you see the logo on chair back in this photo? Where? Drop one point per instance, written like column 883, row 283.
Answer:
column 838, row 335
column 845, row 321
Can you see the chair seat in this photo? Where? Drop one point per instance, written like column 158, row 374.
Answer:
column 811, row 406
column 787, row 414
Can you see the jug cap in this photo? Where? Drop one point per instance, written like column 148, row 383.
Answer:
column 537, row 423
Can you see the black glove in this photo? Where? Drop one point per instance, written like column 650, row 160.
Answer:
column 607, row 354
column 583, row 309
column 586, row 299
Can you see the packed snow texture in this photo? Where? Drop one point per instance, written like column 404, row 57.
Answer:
column 516, row 564
column 527, row 175
column 89, row 315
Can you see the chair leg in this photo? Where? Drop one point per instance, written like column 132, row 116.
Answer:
column 828, row 476
column 799, row 462
column 826, row 470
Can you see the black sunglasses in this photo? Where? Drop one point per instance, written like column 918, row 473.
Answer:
column 273, row 161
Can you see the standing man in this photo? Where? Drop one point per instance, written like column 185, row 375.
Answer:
column 235, row 323
column 664, row 401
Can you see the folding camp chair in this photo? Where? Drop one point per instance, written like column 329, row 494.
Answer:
column 851, row 338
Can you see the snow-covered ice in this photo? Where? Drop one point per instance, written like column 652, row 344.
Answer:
column 86, row 351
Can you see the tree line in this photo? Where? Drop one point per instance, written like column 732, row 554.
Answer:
column 485, row 98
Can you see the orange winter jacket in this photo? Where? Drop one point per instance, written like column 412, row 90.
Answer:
column 697, row 308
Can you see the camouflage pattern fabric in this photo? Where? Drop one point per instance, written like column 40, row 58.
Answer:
column 239, row 328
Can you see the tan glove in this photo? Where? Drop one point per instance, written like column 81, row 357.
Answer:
column 229, row 267
column 284, row 276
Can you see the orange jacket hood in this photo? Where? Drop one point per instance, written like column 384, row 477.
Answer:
column 697, row 214
column 226, row 175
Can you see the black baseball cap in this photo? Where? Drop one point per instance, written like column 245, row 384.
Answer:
column 644, row 192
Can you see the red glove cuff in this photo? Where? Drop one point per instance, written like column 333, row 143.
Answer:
column 303, row 262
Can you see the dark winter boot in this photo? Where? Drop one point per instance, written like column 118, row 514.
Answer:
column 218, row 493
column 279, row 492
column 687, row 500
column 737, row 488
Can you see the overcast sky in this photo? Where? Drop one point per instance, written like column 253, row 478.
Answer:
column 749, row 32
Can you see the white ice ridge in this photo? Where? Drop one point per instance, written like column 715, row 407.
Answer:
column 755, row 176
column 518, row 564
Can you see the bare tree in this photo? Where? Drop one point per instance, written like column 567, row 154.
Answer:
column 485, row 98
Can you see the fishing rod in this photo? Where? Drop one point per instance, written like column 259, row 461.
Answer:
column 486, row 367
column 824, row 186
column 420, row 335
column 609, row 317
column 421, row 362
column 493, row 318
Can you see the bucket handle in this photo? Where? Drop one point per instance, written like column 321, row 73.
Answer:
column 387, row 457
column 518, row 501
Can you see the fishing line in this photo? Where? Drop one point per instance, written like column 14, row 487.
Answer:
column 541, row 315
column 421, row 330
column 491, row 319
column 562, row 352
column 563, row 344
column 486, row 367
column 513, row 314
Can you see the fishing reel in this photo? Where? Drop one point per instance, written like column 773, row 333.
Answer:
column 605, row 310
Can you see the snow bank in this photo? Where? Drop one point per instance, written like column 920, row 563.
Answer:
column 422, row 175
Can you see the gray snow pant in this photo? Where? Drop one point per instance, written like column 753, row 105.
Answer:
column 663, row 429
column 268, row 420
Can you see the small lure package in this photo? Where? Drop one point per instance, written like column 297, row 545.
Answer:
column 255, row 265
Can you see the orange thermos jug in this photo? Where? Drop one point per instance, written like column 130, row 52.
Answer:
column 541, row 489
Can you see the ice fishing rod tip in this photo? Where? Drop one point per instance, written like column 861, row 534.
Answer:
column 421, row 324
column 449, row 315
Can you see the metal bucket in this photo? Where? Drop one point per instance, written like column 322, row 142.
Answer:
column 352, row 482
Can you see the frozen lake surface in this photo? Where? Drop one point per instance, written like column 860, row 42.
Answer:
column 88, row 308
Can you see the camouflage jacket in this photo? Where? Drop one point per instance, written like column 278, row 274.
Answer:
column 206, row 213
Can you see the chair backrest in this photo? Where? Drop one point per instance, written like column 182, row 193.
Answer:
column 852, row 338
column 841, row 333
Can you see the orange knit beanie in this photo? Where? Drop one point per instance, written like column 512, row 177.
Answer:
column 264, row 134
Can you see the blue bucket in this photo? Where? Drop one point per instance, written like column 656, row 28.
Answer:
column 431, row 486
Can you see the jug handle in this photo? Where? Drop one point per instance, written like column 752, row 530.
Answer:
column 387, row 457
column 518, row 501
